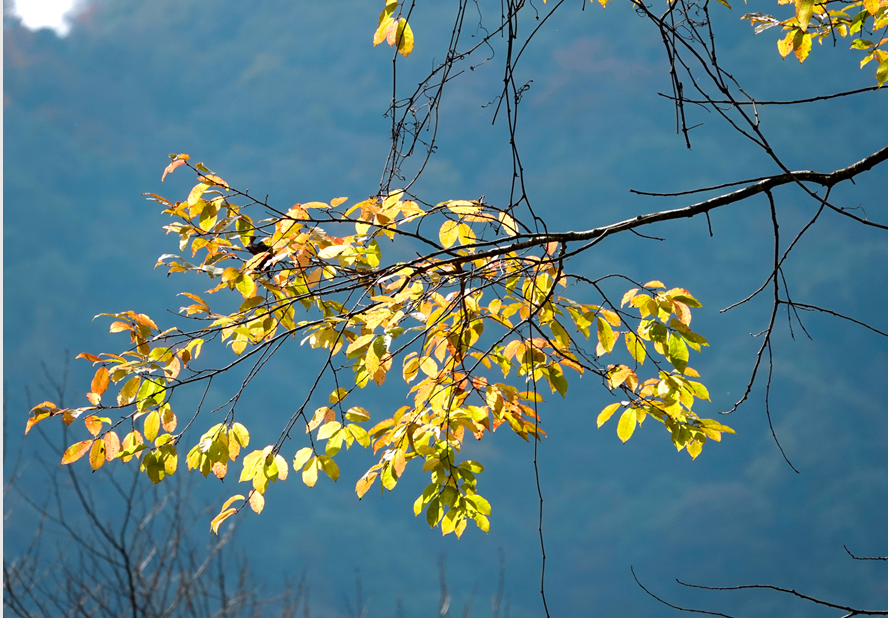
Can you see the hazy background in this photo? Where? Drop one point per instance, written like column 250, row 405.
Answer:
column 287, row 98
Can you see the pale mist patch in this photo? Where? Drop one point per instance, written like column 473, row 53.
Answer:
column 56, row 15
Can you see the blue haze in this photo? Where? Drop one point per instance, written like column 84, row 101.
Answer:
column 286, row 98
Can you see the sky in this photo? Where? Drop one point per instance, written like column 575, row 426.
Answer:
column 273, row 98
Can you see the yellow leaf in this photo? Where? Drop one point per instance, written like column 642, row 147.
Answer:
column 626, row 426
column 448, row 233
column 606, row 336
column 76, row 451
column 152, row 425
column 784, row 45
column 310, row 473
column 801, row 45
column 330, row 467
column 404, row 37
column 231, row 500
column 302, row 455
column 385, row 24
column 804, row 9
column 871, row 6
column 218, row 519
column 97, row 454
column 128, row 392
column 618, row 375
column 654, row 284
column 281, row 464
column 508, row 223
column 428, row 366
column 635, row 347
column 607, row 413
column 465, row 234
column 411, row 367
column 694, row 449
column 628, row 296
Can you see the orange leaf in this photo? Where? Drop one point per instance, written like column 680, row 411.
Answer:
column 93, row 424
column 94, row 398
column 76, row 451
column 100, row 381
column 400, row 462
column 172, row 168
column 119, row 327
column 144, row 320
column 364, row 483
column 87, row 356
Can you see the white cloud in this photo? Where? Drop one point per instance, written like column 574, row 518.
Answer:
column 36, row 14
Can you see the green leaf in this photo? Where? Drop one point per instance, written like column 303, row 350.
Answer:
column 434, row 512
column 678, row 352
column 556, row 379
column 882, row 73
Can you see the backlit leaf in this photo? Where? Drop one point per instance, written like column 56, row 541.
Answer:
column 605, row 414
column 100, row 381
column 606, row 336
column 364, row 483
column 97, row 454
column 784, row 45
column 76, row 451
column 152, row 425
column 448, row 233
column 112, row 445
column 804, row 9
column 218, row 519
column 404, row 37
column 310, row 473
column 93, row 425
column 128, row 391
column 257, row 501
column 626, row 426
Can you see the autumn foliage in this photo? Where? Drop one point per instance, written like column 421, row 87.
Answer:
column 478, row 328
